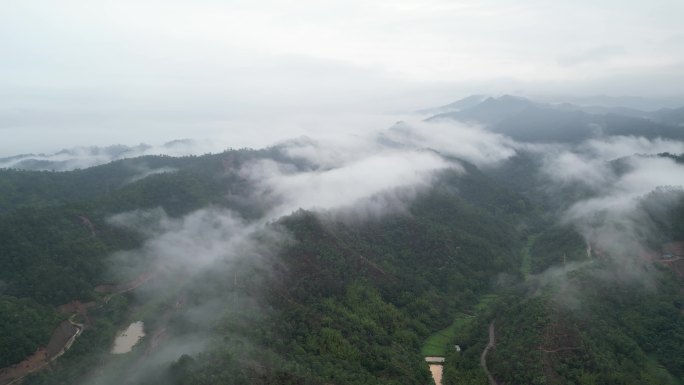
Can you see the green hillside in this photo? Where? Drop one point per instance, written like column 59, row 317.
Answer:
column 328, row 299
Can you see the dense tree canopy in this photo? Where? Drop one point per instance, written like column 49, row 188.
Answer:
column 340, row 300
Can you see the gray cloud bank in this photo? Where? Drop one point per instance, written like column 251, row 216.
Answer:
column 85, row 74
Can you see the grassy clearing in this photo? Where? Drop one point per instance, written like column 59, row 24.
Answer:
column 485, row 301
column 439, row 343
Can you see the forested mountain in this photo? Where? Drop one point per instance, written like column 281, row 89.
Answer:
column 403, row 261
column 522, row 269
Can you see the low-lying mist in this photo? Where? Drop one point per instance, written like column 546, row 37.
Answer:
column 352, row 177
column 371, row 174
column 628, row 185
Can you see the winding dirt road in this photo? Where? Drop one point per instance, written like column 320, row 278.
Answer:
column 20, row 372
column 42, row 358
column 483, row 357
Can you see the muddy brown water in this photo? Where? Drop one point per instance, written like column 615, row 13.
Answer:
column 126, row 339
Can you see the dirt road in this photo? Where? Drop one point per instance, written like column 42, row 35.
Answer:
column 40, row 359
column 44, row 356
column 483, row 357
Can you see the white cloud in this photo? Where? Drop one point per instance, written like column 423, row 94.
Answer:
column 620, row 146
column 346, row 184
column 588, row 163
column 456, row 139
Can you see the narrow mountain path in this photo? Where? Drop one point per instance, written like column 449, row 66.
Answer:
column 483, row 357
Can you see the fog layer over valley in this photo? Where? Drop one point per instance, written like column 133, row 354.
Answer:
column 333, row 257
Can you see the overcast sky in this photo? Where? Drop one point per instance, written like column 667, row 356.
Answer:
column 78, row 72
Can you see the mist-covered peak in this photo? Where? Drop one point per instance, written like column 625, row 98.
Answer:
column 490, row 110
column 467, row 102
column 530, row 121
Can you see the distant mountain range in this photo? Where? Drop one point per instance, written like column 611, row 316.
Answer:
column 84, row 157
column 519, row 118
column 526, row 120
